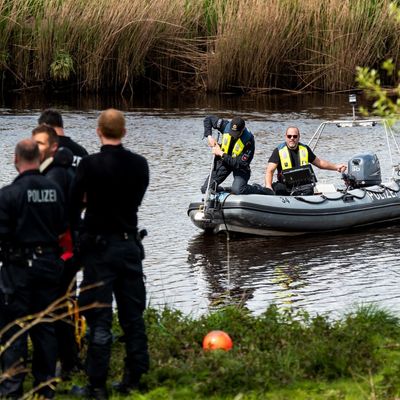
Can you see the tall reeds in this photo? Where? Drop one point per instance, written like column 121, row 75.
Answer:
column 212, row 45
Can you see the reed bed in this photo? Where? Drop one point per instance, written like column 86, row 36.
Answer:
column 207, row 45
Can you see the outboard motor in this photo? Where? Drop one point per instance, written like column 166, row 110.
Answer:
column 363, row 170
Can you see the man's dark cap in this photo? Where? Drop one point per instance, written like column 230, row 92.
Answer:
column 237, row 126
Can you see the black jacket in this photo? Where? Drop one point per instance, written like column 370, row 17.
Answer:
column 243, row 161
column 78, row 151
column 31, row 211
column 60, row 170
column 111, row 184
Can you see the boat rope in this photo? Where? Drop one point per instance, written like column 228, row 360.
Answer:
column 364, row 193
column 358, row 193
column 323, row 198
column 391, row 188
column 222, row 213
column 228, row 252
column 228, row 259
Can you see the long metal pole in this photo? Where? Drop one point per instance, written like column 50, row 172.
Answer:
column 207, row 195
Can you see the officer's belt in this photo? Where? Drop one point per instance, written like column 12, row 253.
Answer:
column 117, row 237
column 29, row 250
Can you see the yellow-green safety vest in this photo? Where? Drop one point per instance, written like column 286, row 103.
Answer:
column 226, row 141
column 286, row 162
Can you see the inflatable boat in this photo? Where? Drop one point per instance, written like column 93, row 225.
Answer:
column 363, row 200
column 295, row 215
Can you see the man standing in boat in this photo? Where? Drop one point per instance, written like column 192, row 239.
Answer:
column 293, row 154
column 234, row 154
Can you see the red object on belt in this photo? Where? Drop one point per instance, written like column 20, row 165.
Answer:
column 65, row 243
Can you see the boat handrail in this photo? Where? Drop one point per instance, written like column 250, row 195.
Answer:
column 390, row 137
column 343, row 124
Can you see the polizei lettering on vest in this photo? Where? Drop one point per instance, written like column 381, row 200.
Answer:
column 41, row 195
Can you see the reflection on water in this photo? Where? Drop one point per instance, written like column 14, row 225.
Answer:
column 258, row 106
column 192, row 272
column 326, row 273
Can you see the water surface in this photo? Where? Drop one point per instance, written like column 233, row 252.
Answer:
column 186, row 270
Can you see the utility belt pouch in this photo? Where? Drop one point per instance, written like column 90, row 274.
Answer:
column 89, row 241
column 139, row 237
column 46, row 269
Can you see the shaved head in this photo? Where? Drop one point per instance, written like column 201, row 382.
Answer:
column 111, row 124
column 27, row 150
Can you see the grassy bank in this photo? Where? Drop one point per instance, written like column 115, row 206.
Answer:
column 208, row 45
column 275, row 356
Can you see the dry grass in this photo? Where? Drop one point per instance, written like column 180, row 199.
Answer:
column 214, row 45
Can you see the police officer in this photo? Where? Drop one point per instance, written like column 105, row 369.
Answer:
column 111, row 184
column 234, row 154
column 56, row 164
column 293, row 154
column 31, row 219
column 54, row 119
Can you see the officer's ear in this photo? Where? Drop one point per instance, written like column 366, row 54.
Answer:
column 54, row 148
column 99, row 134
column 16, row 162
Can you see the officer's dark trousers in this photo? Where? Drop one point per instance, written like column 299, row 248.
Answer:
column 117, row 264
column 280, row 189
column 240, row 179
column 221, row 172
column 33, row 292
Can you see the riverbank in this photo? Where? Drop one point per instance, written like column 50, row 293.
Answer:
column 277, row 355
column 208, row 45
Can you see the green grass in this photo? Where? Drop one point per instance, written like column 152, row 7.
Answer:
column 275, row 356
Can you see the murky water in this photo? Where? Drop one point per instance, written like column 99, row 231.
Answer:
column 189, row 271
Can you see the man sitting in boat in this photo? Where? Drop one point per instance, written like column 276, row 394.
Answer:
column 291, row 155
column 234, row 154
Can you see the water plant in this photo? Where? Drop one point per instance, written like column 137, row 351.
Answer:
column 211, row 45
column 62, row 67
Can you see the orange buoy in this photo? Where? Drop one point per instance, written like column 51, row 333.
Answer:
column 215, row 340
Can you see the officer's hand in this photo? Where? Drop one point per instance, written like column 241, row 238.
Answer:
column 341, row 168
column 217, row 150
column 211, row 141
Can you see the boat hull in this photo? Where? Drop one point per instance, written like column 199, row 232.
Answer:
column 296, row 215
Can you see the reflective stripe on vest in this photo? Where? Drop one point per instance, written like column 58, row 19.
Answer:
column 240, row 144
column 226, row 141
column 286, row 162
